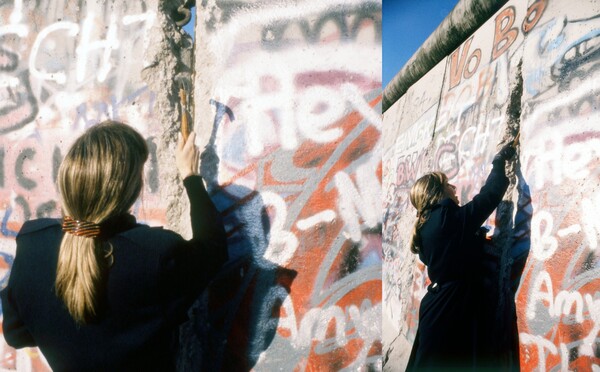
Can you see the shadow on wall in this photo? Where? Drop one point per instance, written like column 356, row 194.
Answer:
column 504, row 262
column 236, row 318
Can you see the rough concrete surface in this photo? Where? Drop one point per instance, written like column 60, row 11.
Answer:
column 65, row 66
column 530, row 69
column 290, row 119
column 285, row 98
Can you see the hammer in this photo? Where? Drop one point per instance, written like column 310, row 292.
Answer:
column 183, row 96
column 516, row 140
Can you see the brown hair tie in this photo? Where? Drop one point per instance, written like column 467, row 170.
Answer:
column 80, row 228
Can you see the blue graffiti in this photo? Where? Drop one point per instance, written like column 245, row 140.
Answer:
column 4, row 226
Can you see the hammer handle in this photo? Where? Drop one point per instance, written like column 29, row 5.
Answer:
column 185, row 130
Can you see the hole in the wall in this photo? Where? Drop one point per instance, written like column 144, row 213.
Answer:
column 190, row 26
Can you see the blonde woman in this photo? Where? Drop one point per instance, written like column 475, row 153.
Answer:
column 96, row 290
column 449, row 242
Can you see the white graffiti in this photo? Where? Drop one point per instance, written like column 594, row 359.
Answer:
column 419, row 134
column 367, row 322
column 580, row 307
column 282, row 243
column 362, row 322
column 314, row 125
column 279, row 103
column 565, row 303
column 573, row 229
column 594, row 308
column 14, row 29
column 355, row 97
column 555, row 162
column 325, row 216
column 72, row 30
column 544, row 244
column 361, row 201
column 87, row 46
column 314, row 326
column 591, row 220
column 542, row 345
column 225, row 38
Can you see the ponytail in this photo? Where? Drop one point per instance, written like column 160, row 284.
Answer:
column 99, row 178
column 424, row 194
column 415, row 241
column 79, row 276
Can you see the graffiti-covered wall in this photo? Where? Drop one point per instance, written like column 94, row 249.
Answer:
column 286, row 100
column 288, row 107
column 530, row 69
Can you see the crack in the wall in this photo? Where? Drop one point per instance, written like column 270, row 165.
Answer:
column 171, row 64
column 503, row 238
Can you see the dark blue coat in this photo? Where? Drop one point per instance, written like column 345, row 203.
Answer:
column 448, row 334
column 155, row 277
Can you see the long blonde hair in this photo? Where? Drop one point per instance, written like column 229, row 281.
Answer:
column 424, row 194
column 100, row 177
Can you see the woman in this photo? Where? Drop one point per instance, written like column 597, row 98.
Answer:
column 97, row 290
column 449, row 241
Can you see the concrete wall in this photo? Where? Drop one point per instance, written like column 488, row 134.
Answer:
column 287, row 104
column 286, row 101
column 533, row 67
column 66, row 65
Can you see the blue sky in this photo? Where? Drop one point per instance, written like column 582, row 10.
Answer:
column 406, row 25
column 189, row 28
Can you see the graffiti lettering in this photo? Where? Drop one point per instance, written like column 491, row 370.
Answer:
column 63, row 69
column 19, row 202
column 409, row 167
column 18, row 106
column 534, row 13
column 315, row 116
column 72, row 30
column 541, row 79
column 544, row 244
column 589, row 341
column 26, row 154
column 459, row 67
column 353, row 322
column 565, row 302
column 505, row 35
column 152, row 172
column 315, row 23
column 447, row 159
column 472, row 64
column 542, row 345
column 86, row 46
column 590, row 208
column 362, row 201
column 283, row 243
column 558, row 160
column 56, row 160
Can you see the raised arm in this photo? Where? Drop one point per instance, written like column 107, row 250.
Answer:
column 207, row 224
column 489, row 197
